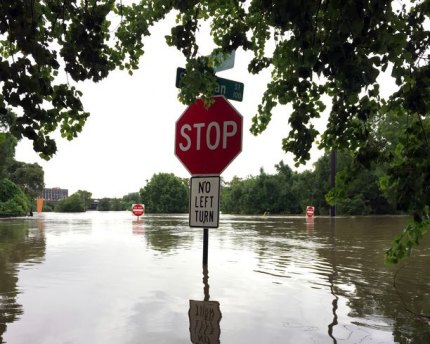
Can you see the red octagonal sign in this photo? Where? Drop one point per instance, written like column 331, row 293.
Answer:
column 207, row 140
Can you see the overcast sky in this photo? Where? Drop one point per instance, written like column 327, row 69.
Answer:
column 131, row 131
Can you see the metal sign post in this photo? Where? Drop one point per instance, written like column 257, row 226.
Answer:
column 205, row 246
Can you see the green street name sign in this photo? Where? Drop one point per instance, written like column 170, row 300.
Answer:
column 228, row 88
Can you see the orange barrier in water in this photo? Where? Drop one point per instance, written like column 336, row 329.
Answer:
column 39, row 203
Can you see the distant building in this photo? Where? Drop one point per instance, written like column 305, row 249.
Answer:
column 55, row 194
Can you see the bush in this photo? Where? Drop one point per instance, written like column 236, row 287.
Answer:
column 72, row 204
column 48, row 206
column 104, row 205
column 13, row 201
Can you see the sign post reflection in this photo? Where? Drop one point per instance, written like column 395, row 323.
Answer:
column 205, row 317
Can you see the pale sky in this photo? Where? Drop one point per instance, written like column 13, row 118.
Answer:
column 131, row 131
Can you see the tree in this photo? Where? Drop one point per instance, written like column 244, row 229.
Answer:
column 71, row 204
column 309, row 192
column 289, row 195
column 262, row 194
column 115, row 204
column 165, row 193
column 104, row 205
column 29, row 177
column 358, row 189
column 85, row 197
column 231, row 196
column 129, row 199
column 7, row 152
column 321, row 49
column 33, row 37
column 317, row 185
column 13, row 201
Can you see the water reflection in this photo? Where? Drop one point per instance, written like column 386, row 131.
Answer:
column 279, row 279
column 206, row 282
column 166, row 234
column 310, row 224
column 360, row 276
column 345, row 257
column 205, row 317
column 138, row 227
column 332, row 278
column 22, row 242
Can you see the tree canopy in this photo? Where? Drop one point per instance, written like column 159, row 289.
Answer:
column 319, row 52
column 29, row 177
column 73, row 204
column 13, row 201
column 288, row 192
column 165, row 193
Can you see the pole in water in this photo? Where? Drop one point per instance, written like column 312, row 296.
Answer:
column 333, row 178
column 205, row 245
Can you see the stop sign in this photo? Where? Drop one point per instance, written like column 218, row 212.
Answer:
column 208, row 139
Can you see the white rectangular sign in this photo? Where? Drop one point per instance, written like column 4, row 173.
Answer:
column 227, row 62
column 204, row 201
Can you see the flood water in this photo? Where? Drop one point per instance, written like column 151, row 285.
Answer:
column 106, row 278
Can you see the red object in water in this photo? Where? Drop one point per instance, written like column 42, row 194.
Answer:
column 138, row 209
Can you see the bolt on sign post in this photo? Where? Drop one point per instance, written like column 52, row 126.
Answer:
column 207, row 140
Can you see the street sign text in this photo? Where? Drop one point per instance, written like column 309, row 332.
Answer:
column 212, row 134
column 204, row 201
